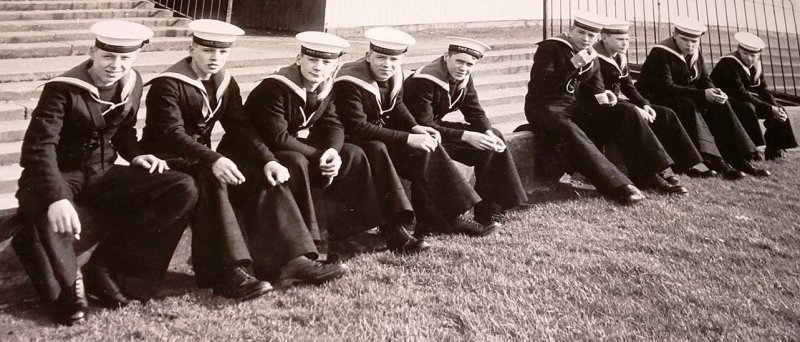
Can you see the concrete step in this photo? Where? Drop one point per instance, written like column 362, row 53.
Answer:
column 12, row 132
column 44, row 68
column 512, row 73
column 84, row 24
column 9, row 174
column 81, row 34
column 72, row 5
column 84, row 14
column 500, row 115
column 81, row 47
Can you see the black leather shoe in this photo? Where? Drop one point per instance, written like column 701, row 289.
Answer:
column 725, row 169
column 659, row 184
column 471, row 228
column 71, row 306
column 627, row 194
column 733, row 174
column 302, row 270
column 236, row 283
column 102, row 288
column 695, row 173
column 773, row 153
column 399, row 240
column 749, row 169
column 672, row 179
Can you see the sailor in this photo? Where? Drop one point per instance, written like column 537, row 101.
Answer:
column 611, row 50
column 84, row 120
column 183, row 105
column 292, row 114
column 446, row 85
column 674, row 75
column 565, row 69
column 740, row 75
column 369, row 100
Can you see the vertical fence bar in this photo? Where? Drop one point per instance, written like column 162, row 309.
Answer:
column 544, row 19
column 789, row 47
column 769, row 44
column 719, row 33
column 727, row 25
column 644, row 27
column 636, row 30
column 796, row 36
column 708, row 34
column 780, row 50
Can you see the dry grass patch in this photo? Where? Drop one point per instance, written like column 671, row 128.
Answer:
column 720, row 264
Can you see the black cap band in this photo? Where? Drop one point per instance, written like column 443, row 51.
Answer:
column 463, row 49
column 614, row 31
column 687, row 34
column 385, row 51
column 748, row 49
column 319, row 54
column 586, row 27
column 116, row 48
column 211, row 43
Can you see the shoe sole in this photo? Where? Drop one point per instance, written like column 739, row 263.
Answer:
column 260, row 291
column 289, row 282
column 106, row 303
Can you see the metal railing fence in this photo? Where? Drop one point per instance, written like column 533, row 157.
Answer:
column 199, row 9
column 774, row 21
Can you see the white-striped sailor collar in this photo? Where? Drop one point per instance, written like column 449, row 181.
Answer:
column 756, row 79
column 563, row 39
column 669, row 45
column 437, row 73
column 608, row 57
column 292, row 78
column 79, row 77
column 358, row 73
column 182, row 71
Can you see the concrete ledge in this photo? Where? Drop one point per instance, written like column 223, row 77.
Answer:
column 358, row 31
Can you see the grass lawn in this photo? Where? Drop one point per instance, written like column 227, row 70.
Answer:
column 722, row 264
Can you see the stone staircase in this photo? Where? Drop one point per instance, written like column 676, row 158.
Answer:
column 41, row 39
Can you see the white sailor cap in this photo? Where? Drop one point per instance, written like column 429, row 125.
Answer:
column 749, row 42
column 389, row 41
column 468, row 46
column 214, row 33
column 321, row 44
column 588, row 21
column 689, row 27
column 616, row 26
column 120, row 36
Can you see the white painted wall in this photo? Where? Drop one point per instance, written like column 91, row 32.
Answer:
column 750, row 13
column 353, row 13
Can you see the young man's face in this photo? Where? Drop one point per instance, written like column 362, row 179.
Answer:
column 687, row 45
column 581, row 38
column 749, row 58
column 384, row 66
column 617, row 43
column 459, row 65
column 315, row 69
column 109, row 67
column 208, row 60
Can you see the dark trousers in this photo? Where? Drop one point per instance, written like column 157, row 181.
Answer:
column 438, row 191
column 496, row 179
column 555, row 126
column 137, row 218
column 621, row 124
column 778, row 135
column 714, row 128
column 674, row 138
column 279, row 221
column 217, row 240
